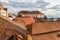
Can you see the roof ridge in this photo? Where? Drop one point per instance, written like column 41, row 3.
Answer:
column 46, row 32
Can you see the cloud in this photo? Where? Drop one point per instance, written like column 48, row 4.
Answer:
column 33, row 1
column 51, row 13
column 49, row 7
column 52, row 3
column 4, row 1
column 40, row 4
column 56, row 7
column 18, row 0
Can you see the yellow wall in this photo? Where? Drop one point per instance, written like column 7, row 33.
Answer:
column 29, row 37
column 4, row 13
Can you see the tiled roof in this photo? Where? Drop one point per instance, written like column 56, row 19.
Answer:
column 1, row 7
column 27, row 21
column 5, row 8
column 30, row 12
column 43, row 27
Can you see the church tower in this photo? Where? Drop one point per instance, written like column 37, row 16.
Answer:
column 3, row 11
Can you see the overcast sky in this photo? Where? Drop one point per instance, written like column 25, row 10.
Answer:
column 51, row 8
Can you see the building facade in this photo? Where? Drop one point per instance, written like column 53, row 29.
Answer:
column 45, row 31
column 10, row 30
column 33, row 14
column 3, row 11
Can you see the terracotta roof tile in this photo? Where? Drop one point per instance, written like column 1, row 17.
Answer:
column 43, row 27
column 27, row 21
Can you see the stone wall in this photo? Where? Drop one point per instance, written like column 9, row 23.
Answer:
column 8, row 28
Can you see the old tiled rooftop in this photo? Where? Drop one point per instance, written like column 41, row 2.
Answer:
column 27, row 21
column 43, row 27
